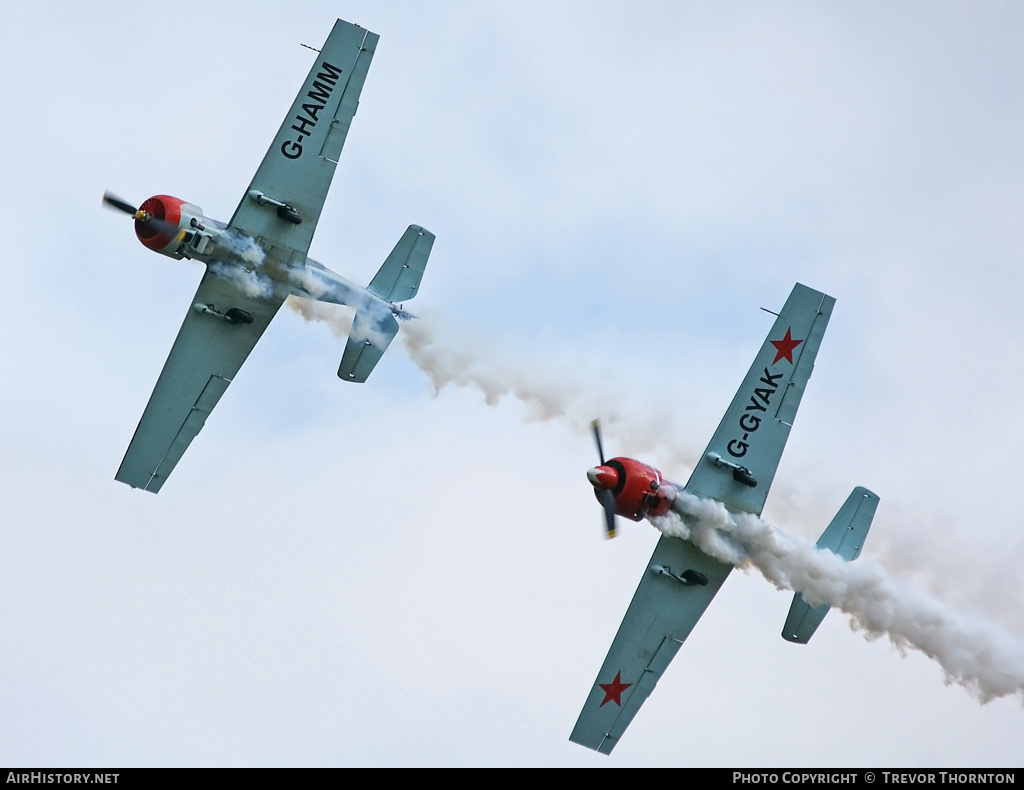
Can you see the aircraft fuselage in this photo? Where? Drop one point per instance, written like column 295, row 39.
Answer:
column 178, row 229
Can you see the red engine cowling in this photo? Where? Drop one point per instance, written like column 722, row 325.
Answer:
column 640, row 491
column 161, row 220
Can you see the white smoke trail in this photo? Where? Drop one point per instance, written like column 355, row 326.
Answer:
column 337, row 317
column 470, row 365
column 549, row 389
column 341, row 319
column 546, row 390
column 257, row 286
column 246, row 248
column 973, row 652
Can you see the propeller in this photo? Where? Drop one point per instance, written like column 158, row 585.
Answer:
column 160, row 225
column 595, row 426
column 604, row 495
column 115, row 202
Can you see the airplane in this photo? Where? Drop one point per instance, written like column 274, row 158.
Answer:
column 737, row 470
column 259, row 258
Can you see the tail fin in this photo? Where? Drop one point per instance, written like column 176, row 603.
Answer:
column 844, row 537
column 399, row 277
column 374, row 325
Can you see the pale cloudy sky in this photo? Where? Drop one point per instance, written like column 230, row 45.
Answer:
column 375, row 575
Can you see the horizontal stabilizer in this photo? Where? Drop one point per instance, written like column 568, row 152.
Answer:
column 399, row 277
column 373, row 329
column 844, row 537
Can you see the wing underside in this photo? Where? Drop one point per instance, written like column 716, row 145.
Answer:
column 299, row 166
column 205, row 358
column 755, row 428
column 663, row 612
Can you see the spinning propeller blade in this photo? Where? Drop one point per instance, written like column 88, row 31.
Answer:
column 115, row 202
column 604, row 495
column 596, row 428
column 607, row 500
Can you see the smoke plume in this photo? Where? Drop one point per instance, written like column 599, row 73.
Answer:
column 251, row 283
column 549, row 389
column 338, row 318
column 973, row 652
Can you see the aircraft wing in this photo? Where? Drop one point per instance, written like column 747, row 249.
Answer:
column 753, row 433
column 205, row 357
column 298, row 168
column 663, row 612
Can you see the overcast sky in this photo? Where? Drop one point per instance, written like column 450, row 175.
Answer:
column 385, row 574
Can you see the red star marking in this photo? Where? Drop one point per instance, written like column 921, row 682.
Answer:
column 613, row 691
column 784, row 347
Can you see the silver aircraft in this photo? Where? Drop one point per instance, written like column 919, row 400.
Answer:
column 258, row 259
column 737, row 470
